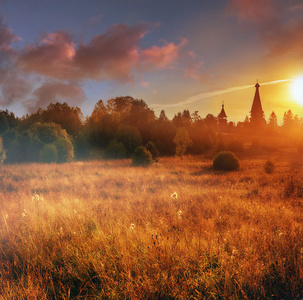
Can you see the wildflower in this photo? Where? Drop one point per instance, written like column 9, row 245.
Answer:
column 37, row 198
column 174, row 196
column 24, row 213
column 179, row 213
column 132, row 226
column 60, row 233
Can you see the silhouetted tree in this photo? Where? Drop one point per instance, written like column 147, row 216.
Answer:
column 182, row 141
column 273, row 123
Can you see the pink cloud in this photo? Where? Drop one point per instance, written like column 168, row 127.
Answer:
column 193, row 70
column 111, row 55
column 253, row 10
column 7, row 37
column 52, row 56
column 162, row 57
column 114, row 55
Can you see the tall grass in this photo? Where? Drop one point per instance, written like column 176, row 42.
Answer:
column 175, row 230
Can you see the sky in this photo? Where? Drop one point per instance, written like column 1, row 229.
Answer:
column 173, row 54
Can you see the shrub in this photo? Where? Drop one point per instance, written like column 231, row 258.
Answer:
column 2, row 152
column 48, row 153
column 65, row 149
column 226, row 161
column 269, row 167
column 115, row 149
column 142, row 157
column 130, row 137
column 150, row 146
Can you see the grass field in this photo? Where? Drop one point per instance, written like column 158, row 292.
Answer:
column 175, row 230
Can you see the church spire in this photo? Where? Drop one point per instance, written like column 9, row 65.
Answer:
column 257, row 114
column 222, row 114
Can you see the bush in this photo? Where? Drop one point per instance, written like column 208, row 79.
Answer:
column 65, row 149
column 269, row 167
column 48, row 153
column 142, row 157
column 150, row 146
column 226, row 161
column 115, row 150
column 130, row 137
column 2, row 152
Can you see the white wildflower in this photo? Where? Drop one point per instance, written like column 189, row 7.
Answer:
column 132, row 226
column 24, row 213
column 179, row 213
column 37, row 198
column 174, row 196
column 60, row 232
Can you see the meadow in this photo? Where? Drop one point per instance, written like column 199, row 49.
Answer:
column 174, row 230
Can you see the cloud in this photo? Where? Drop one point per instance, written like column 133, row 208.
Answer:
column 253, row 10
column 277, row 29
column 114, row 55
column 93, row 21
column 162, row 57
column 111, row 55
column 56, row 62
column 7, row 37
column 14, row 87
column 52, row 56
column 55, row 91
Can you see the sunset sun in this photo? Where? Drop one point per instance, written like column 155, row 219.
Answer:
column 297, row 89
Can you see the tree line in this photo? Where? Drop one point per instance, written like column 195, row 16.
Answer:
column 60, row 133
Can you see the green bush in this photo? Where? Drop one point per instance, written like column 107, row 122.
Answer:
column 150, row 146
column 2, row 152
column 226, row 161
column 269, row 167
column 130, row 137
column 142, row 157
column 115, row 150
column 48, row 153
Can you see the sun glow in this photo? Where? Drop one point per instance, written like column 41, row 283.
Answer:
column 297, row 89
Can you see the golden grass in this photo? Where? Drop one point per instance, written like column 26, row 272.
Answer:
column 107, row 230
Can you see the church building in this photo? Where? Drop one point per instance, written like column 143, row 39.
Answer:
column 257, row 114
